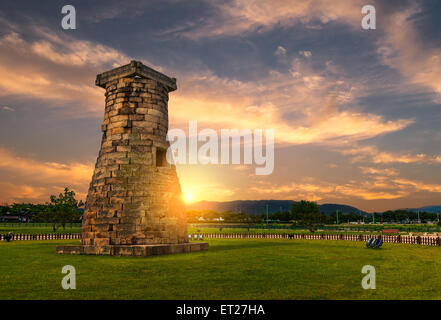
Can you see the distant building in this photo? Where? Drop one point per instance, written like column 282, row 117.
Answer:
column 8, row 218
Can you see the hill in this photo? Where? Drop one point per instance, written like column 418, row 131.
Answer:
column 259, row 206
column 430, row 209
column 329, row 208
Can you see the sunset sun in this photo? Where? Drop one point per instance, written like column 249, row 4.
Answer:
column 188, row 197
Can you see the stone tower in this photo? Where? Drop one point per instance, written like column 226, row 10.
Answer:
column 134, row 204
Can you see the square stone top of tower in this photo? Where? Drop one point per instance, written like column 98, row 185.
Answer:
column 135, row 68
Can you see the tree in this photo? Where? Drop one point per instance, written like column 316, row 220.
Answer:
column 304, row 207
column 26, row 210
column 62, row 209
column 307, row 213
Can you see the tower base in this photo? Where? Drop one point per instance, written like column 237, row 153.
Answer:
column 134, row 250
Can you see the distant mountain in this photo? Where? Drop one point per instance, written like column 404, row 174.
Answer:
column 329, row 208
column 247, row 206
column 259, row 206
column 430, row 209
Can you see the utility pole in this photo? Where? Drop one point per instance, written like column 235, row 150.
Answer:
column 373, row 217
column 267, row 214
column 337, row 216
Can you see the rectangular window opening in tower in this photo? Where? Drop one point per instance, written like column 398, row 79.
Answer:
column 161, row 160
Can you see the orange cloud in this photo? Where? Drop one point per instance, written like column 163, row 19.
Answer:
column 56, row 69
column 419, row 185
column 322, row 190
column 379, row 171
column 37, row 180
column 378, row 184
column 372, row 154
column 63, row 69
column 311, row 99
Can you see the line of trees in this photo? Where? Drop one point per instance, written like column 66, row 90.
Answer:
column 228, row 216
column 307, row 213
column 404, row 216
column 59, row 211
column 64, row 209
column 302, row 212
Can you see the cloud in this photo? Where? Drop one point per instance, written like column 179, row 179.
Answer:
column 301, row 105
column 306, row 54
column 403, row 49
column 36, row 180
column 400, row 45
column 379, row 171
column 13, row 192
column 372, row 154
column 280, row 52
column 295, row 190
column 6, row 108
column 320, row 190
column 419, row 185
column 374, row 186
column 62, row 70
column 113, row 10
column 247, row 16
column 56, row 68
column 77, row 53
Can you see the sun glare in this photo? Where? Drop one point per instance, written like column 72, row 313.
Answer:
column 188, row 197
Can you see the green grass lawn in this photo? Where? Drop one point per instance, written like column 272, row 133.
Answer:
column 230, row 269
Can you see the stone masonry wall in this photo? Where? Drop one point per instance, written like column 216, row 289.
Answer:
column 135, row 195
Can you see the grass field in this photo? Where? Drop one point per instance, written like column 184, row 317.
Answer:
column 231, row 269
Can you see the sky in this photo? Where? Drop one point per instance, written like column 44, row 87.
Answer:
column 356, row 113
